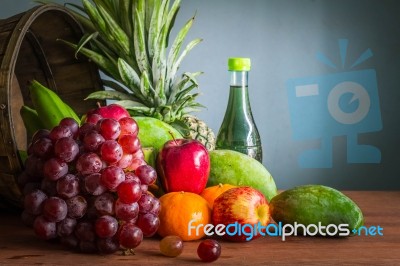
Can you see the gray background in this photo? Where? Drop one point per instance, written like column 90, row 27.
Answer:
column 282, row 37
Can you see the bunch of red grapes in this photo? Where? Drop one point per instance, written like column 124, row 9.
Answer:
column 87, row 186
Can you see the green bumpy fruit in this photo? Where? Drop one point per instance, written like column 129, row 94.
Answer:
column 235, row 168
column 311, row 204
column 154, row 133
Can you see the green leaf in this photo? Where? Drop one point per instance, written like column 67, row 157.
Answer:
column 84, row 40
column 114, row 85
column 176, row 46
column 108, row 94
column 171, row 21
column 94, row 16
column 109, row 6
column 185, row 101
column 131, row 79
column 144, row 84
column 181, row 127
column 184, row 92
column 155, row 27
column 181, row 84
column 174, row 68
column 114, row 30
column 160, row 91
column 128, row 74
column 135, row 108
column 140, row 42
column 132, row 104
column 126, row 14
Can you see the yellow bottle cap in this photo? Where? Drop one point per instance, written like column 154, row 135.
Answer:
column 239, row 64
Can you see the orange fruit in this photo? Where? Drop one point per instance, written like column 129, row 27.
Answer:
column 181, row 209
column 211, row 193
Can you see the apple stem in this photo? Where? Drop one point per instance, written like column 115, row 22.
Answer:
column 173, row 137
column 98, row 104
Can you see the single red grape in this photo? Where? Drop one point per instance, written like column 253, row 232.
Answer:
column 126, row 212
column 42, row 148
column 92, row 141
column 148, row 223
column 93, row 118
column 130, row 236
column 129, row 192
column 72, row 125
column 148, row 203
column 33, row 202
column 109, row 128
column 125, row 161
column 111, row 151
column 54, row 169
column 104, row 204
column 112, row 176
column 209, row 250
column 89, row 163
column 146, row 174
column 93, row 184
column 44, row 228
column 85, row 128
column 107, row 245
column 77, row 207
column 66, row 227
column 66, row 149
column 59, row 132
column 41, row 133
column 129, row 143
column 55, row 209
column 68, row 186
column 106, row 226
column 128, row 126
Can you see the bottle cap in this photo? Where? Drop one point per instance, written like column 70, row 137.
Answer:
column 239, row 64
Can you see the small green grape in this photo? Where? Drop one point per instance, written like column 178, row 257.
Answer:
column 171, row 246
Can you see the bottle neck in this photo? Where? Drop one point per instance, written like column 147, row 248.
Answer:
column 239, row 78
column 238, row 101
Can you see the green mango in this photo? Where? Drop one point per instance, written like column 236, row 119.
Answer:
column 154, row 132
column 235, row 168
column 313, row 204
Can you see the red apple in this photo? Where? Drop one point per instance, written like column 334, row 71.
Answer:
column 242, row 208
column 114, row 111
column 183, row 165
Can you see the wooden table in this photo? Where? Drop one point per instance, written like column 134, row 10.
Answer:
column 19, row 246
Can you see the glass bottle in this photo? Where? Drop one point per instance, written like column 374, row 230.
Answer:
column 238, row 130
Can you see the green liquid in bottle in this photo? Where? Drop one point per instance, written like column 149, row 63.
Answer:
column 238, row 130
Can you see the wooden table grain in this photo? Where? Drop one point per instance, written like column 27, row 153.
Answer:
column 19, row 246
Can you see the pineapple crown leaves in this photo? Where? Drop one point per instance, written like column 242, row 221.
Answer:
column 128, row 40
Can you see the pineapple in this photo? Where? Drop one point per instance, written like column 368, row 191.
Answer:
column 200, row 131
column 128, row 40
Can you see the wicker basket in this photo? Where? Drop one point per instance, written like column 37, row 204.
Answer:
column 29, row 50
